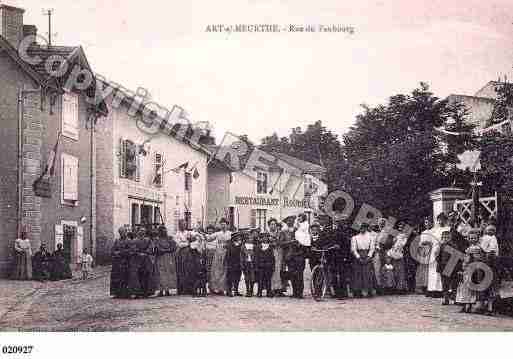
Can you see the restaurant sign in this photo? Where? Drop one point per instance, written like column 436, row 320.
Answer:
column 263, row 201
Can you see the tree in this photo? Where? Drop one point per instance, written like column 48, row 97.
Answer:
column 395, row 154
column 316, row 144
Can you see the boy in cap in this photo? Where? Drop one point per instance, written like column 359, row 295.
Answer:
column 248, row 260
column 234, row 265
column 265, row 261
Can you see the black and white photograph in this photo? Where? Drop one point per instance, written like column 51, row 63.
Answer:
column 255, row 166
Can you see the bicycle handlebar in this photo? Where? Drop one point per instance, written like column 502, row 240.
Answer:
column 325, row 250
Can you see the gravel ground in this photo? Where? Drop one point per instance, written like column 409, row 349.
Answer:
column 76, row 305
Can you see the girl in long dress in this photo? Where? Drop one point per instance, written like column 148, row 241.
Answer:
column 275, row 238
column 362, row 248
column 210, row 250
column 434, row 239
column 23, row 252
column 219, row 269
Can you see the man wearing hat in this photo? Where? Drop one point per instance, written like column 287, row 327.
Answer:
column 248, row 260
column 266, row 263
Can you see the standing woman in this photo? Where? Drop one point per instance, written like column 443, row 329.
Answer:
column 434, row 239
column 396, row 253
column 183, row 259
column 166, row 262
column 422, row 257
column 210, row 250
column 362, row 247
column 275, row 236
column 23, row 252
column 218, row 279
column 119, row 272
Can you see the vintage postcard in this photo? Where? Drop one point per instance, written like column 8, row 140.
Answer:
column 255, row 166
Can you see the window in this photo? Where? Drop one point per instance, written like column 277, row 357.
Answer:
column 70, row 126
column 188, row 182
column 261, row 219
column 252, row 221
column 134, row 214
column 69, row 179
column 158, row 170
column 308, row 186
column 147, row 214
column 188, row 220
column 157, row 215
column 129, row 160
column 261, row 183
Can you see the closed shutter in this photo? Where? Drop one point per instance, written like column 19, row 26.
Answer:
column 70, row 178
column 122, row 158
column 138, row 169
column 253, row 218
column 59, row 235
column 80, row 241
column 70, row 115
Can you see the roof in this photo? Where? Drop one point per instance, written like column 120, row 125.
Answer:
column 305, row 166
column 71, row 54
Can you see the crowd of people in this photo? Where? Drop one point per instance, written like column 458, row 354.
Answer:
column 373, row 261
column 44, row 265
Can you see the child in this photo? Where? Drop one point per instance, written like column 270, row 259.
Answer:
column 265, row 262
column 86, row 262
column 198, row 267
column 490, row 247
column 474, row 253
column 210, row 248
column 234, row 271
column 388, row 278
column 248, row 261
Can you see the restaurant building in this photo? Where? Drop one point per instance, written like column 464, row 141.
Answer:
column 250, row 198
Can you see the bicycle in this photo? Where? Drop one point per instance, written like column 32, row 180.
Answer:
column 321, row 278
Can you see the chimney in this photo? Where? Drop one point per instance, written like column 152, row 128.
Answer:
column 11, row 24
column 29, row 30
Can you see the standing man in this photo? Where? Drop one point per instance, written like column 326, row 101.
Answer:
column 343, row 259
column 294, row 259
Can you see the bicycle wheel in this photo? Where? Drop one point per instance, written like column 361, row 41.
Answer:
column 318, row 283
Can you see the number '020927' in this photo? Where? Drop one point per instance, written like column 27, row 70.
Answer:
column 17, row 349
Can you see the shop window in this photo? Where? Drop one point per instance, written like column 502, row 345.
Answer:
column 188, row 182
column 261, row 219
column 262, row 183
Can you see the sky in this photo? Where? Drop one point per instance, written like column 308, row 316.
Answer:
column 260, row 83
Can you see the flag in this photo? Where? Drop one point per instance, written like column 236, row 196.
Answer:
column 196, row 174
column 182, row 166
column 49, row 170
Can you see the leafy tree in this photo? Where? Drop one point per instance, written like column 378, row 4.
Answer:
column 395, row 153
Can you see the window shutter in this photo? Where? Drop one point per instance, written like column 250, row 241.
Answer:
column 59, row 235
column 80, row 240
column 74, row 179
column 122, row 158
column 138, row 169
column 66, row 178
column 70, row 115
column 253, row 218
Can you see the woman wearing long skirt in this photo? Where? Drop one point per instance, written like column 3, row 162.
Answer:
column 183, row 260
column 397, row 255
column 275, row 238
column 422, row 253
column 210, row 250
column 166, row 262
column 362, row 247
column 119, row 272
column 218, row 275
column 434, row 239
column 23, row 253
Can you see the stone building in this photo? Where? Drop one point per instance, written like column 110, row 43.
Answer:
column 139, row 178
column 35, row 106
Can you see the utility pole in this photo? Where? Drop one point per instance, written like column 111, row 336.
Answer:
column 49, row 13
